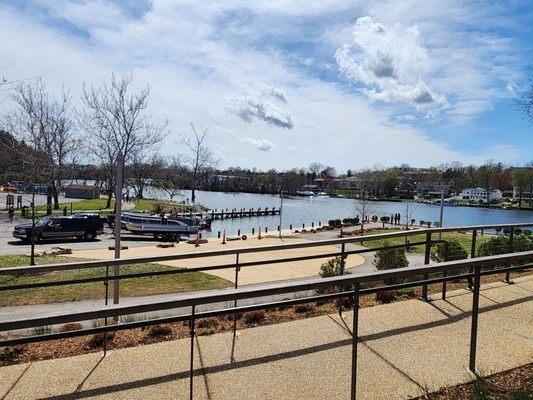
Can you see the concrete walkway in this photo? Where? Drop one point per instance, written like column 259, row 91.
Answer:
column 247, row 276
column 405, row 349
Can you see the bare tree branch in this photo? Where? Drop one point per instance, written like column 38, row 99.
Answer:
column 117, row 121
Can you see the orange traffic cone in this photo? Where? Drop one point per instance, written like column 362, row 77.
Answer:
column 224, row 237
column 259, row 235
column 197, row 242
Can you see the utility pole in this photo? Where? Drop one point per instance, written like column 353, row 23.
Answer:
column 441, row 211
column 118, row 224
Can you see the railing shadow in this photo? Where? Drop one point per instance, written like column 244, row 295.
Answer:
column 203, row 370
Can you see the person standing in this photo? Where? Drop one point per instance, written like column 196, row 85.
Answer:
column 10, row 214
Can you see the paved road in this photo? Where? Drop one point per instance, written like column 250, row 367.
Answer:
column 10, row 245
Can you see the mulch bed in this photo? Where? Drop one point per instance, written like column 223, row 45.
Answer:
column 515, row 384
column 207, row 326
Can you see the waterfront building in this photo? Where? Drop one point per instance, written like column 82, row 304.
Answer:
column 479, row 195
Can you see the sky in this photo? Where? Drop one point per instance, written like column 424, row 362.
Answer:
column 282, row 84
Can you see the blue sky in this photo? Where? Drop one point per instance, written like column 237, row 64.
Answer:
column 282, row 84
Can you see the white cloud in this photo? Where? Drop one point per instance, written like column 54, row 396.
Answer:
column 260, row 144
column 389, row 62
column 266, row 105
column 89, row 13
column 406, row 117
column 193, row 54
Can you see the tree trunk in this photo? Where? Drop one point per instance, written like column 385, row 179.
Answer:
column 56, row 195
column 49, row 200
column 193, row 195
column 109, row 196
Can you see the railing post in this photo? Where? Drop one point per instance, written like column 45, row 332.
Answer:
column 475, row 314
column 511, row 250
column 237, row 269
column 472, row 255
column 355, row 302
column 445, row 273
column 343, row 257
column 192, row 332
column 427, row 254
column 106, row 291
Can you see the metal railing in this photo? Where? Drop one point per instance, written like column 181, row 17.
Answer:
column 480, row 267
column 446, row 271
column 343, row 253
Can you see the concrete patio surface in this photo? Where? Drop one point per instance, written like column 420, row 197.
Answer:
column 406, row 349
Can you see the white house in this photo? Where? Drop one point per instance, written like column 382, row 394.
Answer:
column 477, row 195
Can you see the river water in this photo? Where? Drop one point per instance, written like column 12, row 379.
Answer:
column 306, row 210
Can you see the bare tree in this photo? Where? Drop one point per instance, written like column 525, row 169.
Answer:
column 524, row 100
column 170, row 179
column 117, row 120
column 315, row 169
column 199, row 159
column 365, row 208
column 142, row 171
column 46, row 124
column 408, row 214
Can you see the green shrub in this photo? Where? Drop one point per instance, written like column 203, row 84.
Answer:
column 385, row 259
column 449, row 251
column 501, row 245
column 335, row 222
column 42, row 330
column 332, row 267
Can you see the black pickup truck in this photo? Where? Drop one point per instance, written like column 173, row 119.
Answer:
column 81, row 226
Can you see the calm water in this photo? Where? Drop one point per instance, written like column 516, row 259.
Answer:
column 304, row 210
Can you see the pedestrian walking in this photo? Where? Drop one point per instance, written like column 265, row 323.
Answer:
column 10, row 214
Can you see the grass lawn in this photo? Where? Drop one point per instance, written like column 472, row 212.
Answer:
column 81, row 205
column 100, row 204
column 464, row 238
column 128, row 287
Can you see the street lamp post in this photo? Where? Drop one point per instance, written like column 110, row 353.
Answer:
column 281, row 212
column 441, row 217
column 118, row 224
column 32, row 253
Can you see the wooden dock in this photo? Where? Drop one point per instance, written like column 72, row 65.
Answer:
column 242, row 213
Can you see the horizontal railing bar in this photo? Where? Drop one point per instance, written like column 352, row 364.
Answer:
column 263, row 290
column 195, row 269
column 244, row 250
column 240, row 309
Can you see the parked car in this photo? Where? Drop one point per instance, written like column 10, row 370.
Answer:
column 80, row 226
